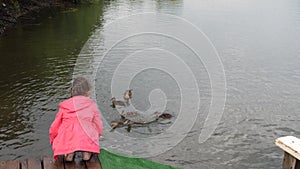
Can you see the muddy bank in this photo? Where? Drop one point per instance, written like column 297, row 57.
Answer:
column 12, row 11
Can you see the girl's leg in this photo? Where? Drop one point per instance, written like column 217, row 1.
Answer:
column 86, row 155
column 69, row 157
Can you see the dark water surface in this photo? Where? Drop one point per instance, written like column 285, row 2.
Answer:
column 37, row 62
column 258, row 43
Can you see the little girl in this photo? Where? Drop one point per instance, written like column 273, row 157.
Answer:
column 77, row 125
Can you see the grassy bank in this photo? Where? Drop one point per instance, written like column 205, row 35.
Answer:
column 11, row 11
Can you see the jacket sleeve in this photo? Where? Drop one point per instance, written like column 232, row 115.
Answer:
column 55, row 126
column 97, row 121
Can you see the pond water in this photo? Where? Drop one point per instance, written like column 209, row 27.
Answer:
column 258, row 45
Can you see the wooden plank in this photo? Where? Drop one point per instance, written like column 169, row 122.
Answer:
column 47, row 162
column 31, row 163
column 289, row 144
column 297, row 165
column 289, row 162
column 93, row 163
column 10, row 164
column 50, row 163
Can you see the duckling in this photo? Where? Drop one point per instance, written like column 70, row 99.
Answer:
column 165, row 116
column 158, row 115
column 127, row 94
column 116, row 124
column 115, row 102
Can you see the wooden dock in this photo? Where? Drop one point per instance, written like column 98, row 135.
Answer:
column 48, row 162
column 291, row 147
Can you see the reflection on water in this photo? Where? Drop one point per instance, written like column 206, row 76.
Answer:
column 258, row 44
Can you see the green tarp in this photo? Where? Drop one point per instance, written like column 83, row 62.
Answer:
column 111, row 160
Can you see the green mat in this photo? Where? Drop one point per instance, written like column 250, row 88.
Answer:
column 111, row 160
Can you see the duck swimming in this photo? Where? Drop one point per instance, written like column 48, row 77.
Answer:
column 116, row 102
column 127, row 94
column 131, row 118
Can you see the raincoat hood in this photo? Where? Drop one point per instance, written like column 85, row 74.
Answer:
column 76, row 103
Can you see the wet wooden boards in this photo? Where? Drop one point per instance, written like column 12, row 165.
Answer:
column 291, row 147
column 48, row 162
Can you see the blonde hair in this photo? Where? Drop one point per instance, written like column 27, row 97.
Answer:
column 80, row 87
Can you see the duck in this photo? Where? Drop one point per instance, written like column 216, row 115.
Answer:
column 116, row 102
column 127, row 94
column 137, row 118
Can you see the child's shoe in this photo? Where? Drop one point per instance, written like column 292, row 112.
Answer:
column 86, row 155
column 69, row 157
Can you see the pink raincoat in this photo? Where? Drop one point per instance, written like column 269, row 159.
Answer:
column 77, row 127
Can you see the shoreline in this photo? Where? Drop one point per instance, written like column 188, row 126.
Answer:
column 12, row 13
